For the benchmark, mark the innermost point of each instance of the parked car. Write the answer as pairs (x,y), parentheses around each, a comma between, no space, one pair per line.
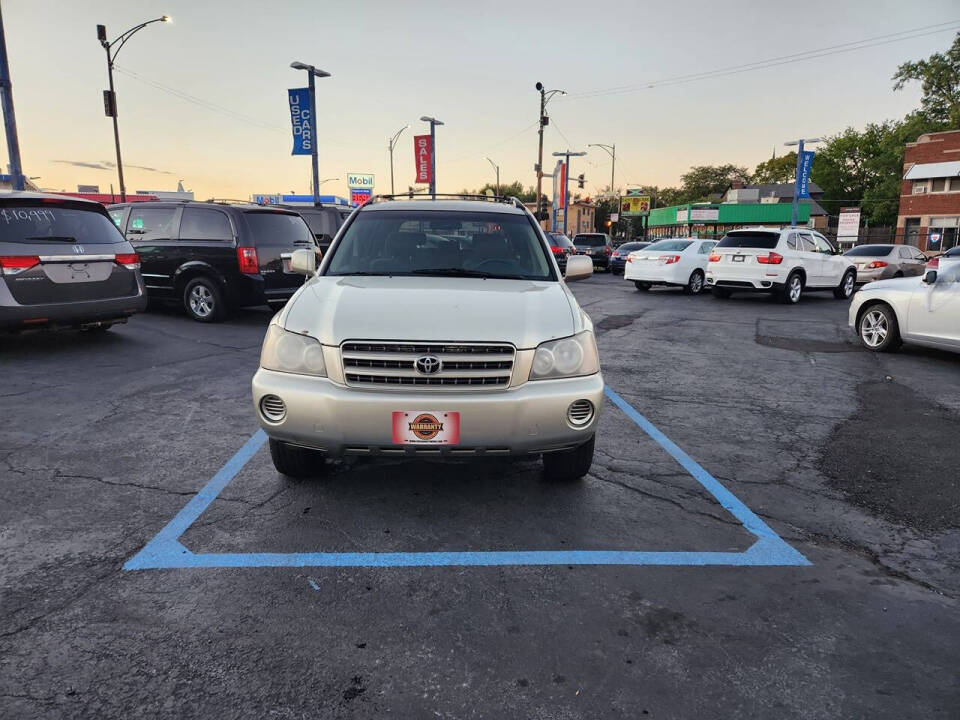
(945,260)
(433,327)
(561,247)
(619,257)
(597,246)
(681,262)
(323,220)
(64,264)
(924,311)
(785,262)
(212,257)
(879,262)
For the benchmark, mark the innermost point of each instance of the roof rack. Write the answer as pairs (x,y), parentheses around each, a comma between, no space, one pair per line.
(505,199)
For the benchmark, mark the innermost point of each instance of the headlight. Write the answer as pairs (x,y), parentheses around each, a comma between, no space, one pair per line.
(292,353)
(570,357)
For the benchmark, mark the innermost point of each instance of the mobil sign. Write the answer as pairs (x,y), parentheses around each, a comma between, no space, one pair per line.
(360,181)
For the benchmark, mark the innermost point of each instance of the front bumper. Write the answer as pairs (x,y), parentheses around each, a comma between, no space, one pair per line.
(339,420)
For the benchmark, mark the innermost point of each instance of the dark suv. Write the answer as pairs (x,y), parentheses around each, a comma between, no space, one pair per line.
(212,257)
(324,220)
(63,264)
(597,246)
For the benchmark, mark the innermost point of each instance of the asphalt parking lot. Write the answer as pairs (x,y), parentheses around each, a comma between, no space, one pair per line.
(772,419)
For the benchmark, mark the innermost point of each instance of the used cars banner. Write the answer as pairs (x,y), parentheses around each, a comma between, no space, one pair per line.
(301,121)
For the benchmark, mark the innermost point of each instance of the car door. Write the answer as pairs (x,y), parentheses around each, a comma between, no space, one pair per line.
(832,266)
(811,259)
(934,312)
(207,237)
(152,231)
(703,254)
(911,261)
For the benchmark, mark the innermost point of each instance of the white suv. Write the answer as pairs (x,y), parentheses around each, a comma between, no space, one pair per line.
(784,261)
(432,328)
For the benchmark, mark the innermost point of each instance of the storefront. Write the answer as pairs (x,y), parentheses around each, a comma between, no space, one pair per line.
(713,220)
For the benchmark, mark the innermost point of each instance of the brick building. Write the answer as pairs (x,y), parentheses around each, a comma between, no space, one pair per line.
(929,215)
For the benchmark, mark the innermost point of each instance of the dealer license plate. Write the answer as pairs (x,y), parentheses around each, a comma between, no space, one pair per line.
(426,427)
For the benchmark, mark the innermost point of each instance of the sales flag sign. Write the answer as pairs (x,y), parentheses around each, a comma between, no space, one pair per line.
(422,150)
(302,121)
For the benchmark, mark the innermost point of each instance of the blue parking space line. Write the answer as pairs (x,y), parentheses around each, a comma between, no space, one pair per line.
(165,551)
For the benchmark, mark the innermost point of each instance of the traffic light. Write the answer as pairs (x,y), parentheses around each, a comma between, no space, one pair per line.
(609,223)
(581,180)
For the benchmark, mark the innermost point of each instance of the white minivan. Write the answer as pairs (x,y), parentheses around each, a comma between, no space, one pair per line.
(785,261)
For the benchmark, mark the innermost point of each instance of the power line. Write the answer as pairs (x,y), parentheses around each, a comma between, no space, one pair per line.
(772,62)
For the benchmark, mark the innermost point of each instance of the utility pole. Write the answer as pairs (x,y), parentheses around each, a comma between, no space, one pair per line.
(497,168)
(545,96)
(390,145)
(433,153)
(110,97)
(9,117)
(566,185)
(796,178)
(312,74)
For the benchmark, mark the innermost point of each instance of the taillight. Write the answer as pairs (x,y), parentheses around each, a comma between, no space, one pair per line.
(770,259)
(629,258)
(876,264)
(557,250)
(933,263)
(131,261)
(247,259)
(607,250)
(715,257)
(669,259)
(13,264)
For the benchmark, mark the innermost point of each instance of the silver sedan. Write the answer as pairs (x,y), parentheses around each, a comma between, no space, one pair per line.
(880,262)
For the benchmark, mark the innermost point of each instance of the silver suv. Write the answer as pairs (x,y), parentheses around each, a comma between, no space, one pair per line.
(432,327)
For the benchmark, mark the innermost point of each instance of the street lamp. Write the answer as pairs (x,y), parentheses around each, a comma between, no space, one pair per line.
(545,96)
(312,73)
(390,146)
(566,182)
(497,168)
(109,96)
(796,179)
(433,153)
(326,181)
(611,150)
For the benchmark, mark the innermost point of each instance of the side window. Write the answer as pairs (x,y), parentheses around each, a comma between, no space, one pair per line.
(203,224)
(117,217)
(705,248)
(822,245)
(806,243)
(151,223)
(906,254)
(792,241)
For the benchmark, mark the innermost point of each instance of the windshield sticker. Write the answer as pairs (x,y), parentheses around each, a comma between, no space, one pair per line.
(15,215)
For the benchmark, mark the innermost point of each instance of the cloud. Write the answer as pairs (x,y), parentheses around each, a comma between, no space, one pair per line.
(150,169)
(107,165)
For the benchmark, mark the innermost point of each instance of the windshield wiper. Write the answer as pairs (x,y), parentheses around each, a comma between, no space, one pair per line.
(53,238)
(361,272)
(463,272)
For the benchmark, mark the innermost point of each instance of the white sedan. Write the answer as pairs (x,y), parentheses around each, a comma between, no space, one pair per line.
(680,261)
(925,311)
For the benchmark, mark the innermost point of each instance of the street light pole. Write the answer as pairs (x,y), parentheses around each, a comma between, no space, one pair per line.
(110,97)
(9,117)
(497,168)
(545,96)
(566,184)
(433,153)
(312,74)
(611,150)
(796,178)
(390,146)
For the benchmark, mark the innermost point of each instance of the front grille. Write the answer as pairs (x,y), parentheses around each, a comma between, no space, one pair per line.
(479,366)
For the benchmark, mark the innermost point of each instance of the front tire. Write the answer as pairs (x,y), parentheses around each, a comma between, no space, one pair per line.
(695,283)
(569,465)
(878,329)
(297,462)
(203,300)
(792,289)
(845,289)
(641,286)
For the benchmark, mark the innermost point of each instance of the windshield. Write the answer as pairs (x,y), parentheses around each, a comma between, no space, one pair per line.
(37,224)
(441,243)
(323,223)
(275,228)
(675,245)
(590,240)
(762,240)
(870,251)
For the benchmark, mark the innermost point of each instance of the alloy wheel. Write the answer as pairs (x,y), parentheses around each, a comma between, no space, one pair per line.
(795,289)
(873,328)
(848,283)
(201,301)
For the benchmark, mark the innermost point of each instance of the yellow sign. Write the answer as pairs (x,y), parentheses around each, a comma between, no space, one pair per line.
(633,206)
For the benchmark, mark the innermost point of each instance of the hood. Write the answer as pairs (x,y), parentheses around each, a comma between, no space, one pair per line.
(902,283)
(525,313)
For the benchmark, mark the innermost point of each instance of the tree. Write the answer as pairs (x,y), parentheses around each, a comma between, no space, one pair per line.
(776,169)
(702,181)
(512,189)
(939,76)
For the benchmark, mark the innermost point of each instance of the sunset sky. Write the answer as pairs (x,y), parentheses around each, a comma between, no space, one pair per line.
(227,132)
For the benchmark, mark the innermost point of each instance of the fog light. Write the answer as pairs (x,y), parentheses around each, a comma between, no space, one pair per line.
(272,408)
(580,413)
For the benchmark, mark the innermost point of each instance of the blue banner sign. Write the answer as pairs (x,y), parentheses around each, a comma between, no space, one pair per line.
(301,120)
(803,174)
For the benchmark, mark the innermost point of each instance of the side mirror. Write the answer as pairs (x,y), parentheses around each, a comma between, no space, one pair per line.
(578,268)
(930,277)
(303,262)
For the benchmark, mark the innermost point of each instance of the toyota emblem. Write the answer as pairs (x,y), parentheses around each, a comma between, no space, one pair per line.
(427,364)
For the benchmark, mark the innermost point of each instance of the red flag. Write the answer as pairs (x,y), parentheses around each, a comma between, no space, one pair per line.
(422,145)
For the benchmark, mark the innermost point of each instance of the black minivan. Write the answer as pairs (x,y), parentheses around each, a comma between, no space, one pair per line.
(63,264)
(212,257)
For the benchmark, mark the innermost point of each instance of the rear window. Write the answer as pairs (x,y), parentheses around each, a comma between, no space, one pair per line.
(631,246)
(590,240)
(274,228)
(952,252)
(761,240)
(559,240)
(870,251)
(663,245)
(38,224)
